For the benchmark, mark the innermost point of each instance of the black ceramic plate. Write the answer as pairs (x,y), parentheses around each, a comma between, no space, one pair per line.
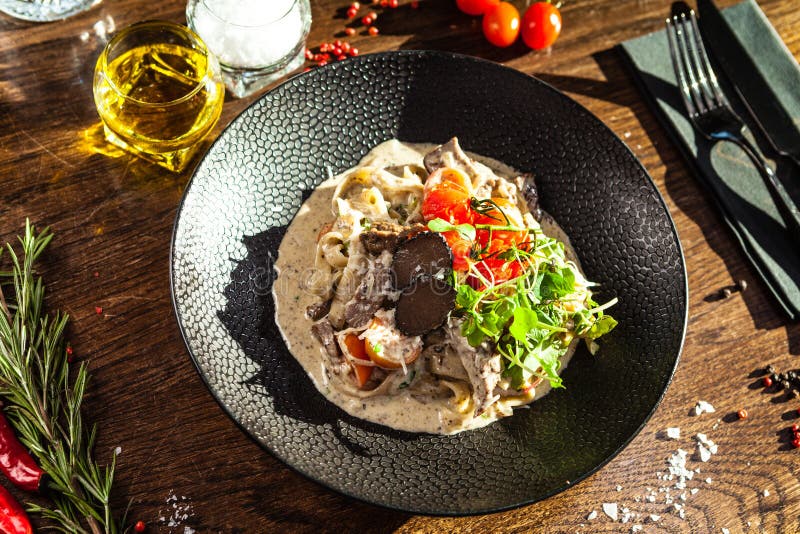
(255,176)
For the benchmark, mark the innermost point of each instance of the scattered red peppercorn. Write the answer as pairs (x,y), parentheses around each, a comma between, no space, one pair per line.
(306,69)
(354,52)
(341,57)
(139,526)
(796,443)
(351,13)
(742,414)
(384,3)
(373,31)
(350,31)
(394,4)
(98,310)
(795,428)
(96,274)
(366,20)
(346,48)
(309,54)
(373,15)
(322,63)
(767,381)
(355,5)
(69,351)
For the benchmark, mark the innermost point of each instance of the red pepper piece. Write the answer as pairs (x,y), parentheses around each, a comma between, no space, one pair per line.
(15,461)
(13,519)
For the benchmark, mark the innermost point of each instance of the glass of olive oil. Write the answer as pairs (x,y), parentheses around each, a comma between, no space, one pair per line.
(158,91)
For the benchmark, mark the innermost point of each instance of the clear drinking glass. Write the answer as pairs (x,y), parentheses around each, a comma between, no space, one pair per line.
(44,10)
(256,41)
(158,91)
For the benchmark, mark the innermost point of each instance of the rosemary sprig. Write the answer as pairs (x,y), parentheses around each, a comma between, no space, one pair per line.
(43,404)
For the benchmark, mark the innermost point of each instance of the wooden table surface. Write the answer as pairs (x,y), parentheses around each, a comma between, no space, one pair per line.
(181,455)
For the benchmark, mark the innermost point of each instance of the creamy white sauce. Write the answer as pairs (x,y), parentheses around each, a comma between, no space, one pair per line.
(295,264)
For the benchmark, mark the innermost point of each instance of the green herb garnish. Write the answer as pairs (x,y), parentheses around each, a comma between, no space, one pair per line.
(532,318)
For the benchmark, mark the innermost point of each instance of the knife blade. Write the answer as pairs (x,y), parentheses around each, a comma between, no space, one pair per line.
(755,91)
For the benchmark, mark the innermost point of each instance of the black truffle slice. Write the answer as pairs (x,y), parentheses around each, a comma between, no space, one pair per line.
(426,255)
(424,306)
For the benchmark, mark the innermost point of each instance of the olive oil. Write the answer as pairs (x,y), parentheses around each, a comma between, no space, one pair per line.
(159,100)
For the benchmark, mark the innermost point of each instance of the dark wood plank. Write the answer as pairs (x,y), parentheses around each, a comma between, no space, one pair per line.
(114,215)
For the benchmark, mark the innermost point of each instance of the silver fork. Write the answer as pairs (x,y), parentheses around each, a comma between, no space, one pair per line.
(709,109)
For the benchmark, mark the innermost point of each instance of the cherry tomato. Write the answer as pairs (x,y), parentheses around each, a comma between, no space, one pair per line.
(476,7)
(501,24)
(541,25)
(357,349)
(446,196)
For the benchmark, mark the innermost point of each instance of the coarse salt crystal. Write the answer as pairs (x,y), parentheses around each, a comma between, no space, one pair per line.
(726,531)
(673,433)
(651,498)
(766,493)
(592,515)
(708,480)
(705,454)
(636,528)
(694,490)
(610,509)
(655,518)
(702,438)
(703,407)
(619,488)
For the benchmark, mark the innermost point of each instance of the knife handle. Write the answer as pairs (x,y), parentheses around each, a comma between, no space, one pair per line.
(786,206)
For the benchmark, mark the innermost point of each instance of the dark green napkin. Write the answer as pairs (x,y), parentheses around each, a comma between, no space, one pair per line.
(723,168)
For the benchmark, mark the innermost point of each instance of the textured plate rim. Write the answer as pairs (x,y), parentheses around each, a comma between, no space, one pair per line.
(311,476)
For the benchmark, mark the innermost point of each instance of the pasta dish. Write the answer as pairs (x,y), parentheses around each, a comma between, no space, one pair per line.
(425,290)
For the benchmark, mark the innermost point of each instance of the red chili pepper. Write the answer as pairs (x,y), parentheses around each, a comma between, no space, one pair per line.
(13,519)
(15,461)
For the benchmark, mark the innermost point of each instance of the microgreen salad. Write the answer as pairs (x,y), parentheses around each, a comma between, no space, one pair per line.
(515,287)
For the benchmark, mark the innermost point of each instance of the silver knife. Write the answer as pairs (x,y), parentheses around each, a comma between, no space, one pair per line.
(755,91)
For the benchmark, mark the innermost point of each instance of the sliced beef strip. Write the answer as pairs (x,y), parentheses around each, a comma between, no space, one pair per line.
(482,366)
(387,236)
(449,155)
(317,311)
(371,293)
(323,331)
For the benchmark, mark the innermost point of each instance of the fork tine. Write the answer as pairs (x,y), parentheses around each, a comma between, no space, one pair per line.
(694,44)
(705,64)
(677,64)
(697,83)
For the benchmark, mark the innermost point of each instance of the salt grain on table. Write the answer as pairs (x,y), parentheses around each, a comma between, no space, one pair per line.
(766,493)
(610,509)
(592,515)
(703,407)
(673,433)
